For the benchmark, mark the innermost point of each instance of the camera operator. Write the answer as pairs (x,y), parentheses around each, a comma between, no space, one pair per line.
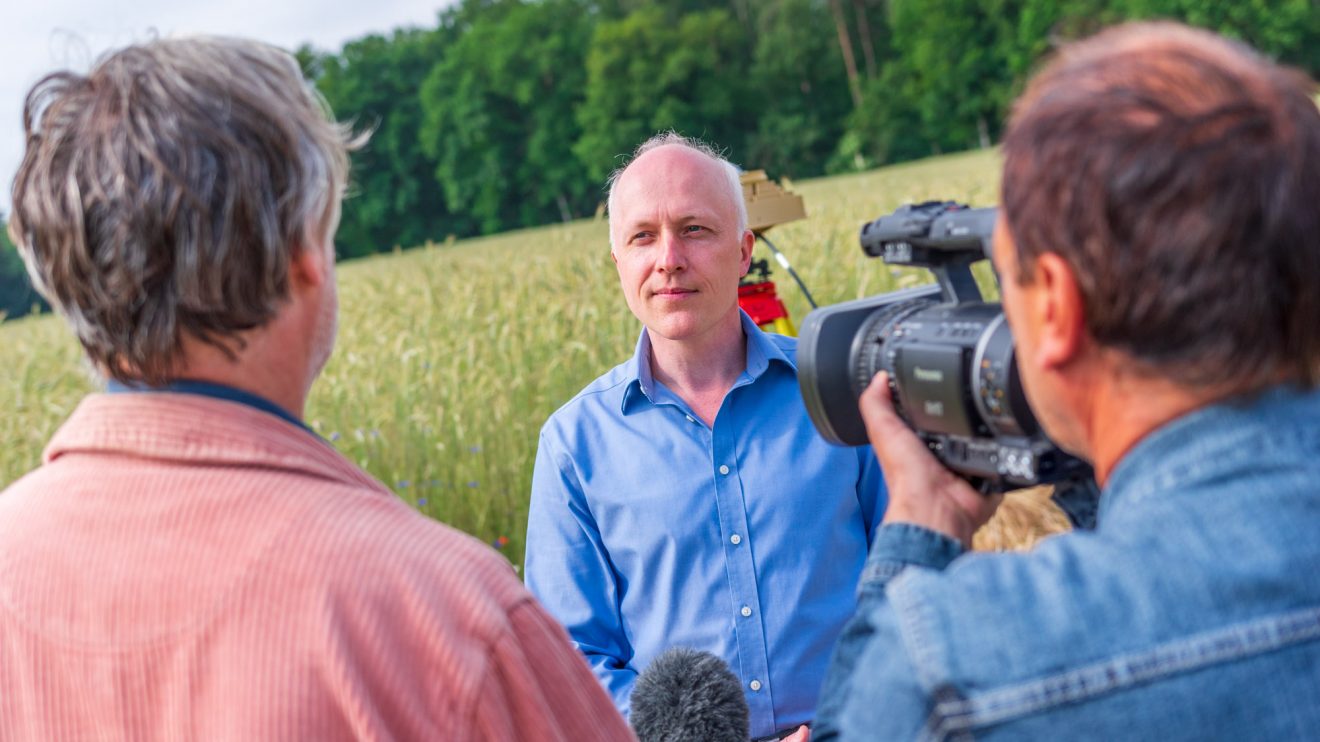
(1158,253)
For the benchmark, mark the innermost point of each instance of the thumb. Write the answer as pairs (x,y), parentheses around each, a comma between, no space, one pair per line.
(877,408)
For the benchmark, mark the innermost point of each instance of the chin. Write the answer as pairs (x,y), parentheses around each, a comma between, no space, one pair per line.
(1063,435)
(672,325)
(670,331)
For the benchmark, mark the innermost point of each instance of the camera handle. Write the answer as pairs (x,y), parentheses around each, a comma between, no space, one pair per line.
(955,279)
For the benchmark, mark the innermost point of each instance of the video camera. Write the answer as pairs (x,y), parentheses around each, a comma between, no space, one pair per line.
(952,369)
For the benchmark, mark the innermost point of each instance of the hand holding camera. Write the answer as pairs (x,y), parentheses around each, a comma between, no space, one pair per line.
(922,490)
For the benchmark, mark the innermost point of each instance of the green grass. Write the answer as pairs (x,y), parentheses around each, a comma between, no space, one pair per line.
(450,358)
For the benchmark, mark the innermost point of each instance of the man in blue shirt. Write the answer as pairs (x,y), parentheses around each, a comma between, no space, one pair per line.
(683,498)
(1159,252)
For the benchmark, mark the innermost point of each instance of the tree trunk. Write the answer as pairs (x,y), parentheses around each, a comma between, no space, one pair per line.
(845,46)
(983,131)
(864,32)
(740,9)
(564,212)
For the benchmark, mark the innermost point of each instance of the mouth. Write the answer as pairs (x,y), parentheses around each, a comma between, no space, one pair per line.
(673,291)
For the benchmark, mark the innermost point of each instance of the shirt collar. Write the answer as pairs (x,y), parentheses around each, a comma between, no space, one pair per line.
(201,430)
(215,391)
(641,386)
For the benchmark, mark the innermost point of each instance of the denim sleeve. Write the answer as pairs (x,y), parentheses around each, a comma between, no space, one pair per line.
(569,571)
(871,690)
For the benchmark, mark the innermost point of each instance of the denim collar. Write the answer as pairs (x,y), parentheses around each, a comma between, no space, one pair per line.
(641,385)
(1210,441)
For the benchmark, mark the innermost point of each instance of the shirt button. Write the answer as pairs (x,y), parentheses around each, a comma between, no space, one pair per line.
(735,539)
(724,469)
(690,418)
(754,685)
(746,611)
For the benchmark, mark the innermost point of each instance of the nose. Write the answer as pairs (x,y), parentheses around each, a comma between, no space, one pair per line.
(672,257)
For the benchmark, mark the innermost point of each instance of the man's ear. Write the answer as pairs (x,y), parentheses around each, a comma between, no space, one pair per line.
(1060,311)
(745,250)
(311,264)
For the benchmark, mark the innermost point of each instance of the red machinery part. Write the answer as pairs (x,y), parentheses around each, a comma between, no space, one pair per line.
(761,303)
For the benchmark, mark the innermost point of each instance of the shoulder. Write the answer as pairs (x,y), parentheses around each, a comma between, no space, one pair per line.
(374,552)
(414,607)
(601,399)
(992,619)
(786,344)
(779,349)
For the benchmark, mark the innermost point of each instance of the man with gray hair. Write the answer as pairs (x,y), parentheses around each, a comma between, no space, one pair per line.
(191,561)
(684,498)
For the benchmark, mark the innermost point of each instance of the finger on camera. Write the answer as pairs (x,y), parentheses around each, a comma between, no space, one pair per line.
(878,408)
(894,443)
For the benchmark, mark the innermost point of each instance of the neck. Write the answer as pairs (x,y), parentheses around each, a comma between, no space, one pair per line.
(266,366)
(701,370)
(1127,407)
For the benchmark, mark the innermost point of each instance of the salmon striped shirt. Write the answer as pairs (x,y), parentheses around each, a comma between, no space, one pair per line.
(184,567)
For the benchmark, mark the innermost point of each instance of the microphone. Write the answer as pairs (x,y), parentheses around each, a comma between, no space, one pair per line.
(686,694)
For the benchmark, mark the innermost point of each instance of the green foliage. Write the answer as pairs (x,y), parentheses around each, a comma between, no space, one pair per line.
(646,74)
(394,198)
(509,113)
(499,118)
(1279,28)
(952,69)
(17,297)
(799,91)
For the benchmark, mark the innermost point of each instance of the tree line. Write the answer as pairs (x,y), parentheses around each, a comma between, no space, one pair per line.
(511,113)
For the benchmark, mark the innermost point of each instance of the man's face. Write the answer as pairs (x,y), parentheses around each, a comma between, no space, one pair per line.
(1021,302)
(327,315)
(676,242)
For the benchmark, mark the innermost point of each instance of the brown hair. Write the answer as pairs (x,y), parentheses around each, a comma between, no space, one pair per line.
(1179,174)
(163,193)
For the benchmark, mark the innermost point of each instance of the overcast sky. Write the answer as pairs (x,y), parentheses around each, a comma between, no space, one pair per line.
(41,36)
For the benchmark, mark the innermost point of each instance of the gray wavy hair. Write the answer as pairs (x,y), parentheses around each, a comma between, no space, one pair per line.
(163,193)
(732,174)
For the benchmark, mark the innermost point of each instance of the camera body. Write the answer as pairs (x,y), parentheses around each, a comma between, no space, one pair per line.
(950,356)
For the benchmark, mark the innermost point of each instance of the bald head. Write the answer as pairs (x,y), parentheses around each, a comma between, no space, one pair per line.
(668,156)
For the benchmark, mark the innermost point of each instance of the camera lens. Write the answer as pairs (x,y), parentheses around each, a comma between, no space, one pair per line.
(874,342)
(952,367)
(997,387)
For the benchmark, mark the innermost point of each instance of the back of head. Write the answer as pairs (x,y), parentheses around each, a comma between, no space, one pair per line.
(162,194)
(1178,173)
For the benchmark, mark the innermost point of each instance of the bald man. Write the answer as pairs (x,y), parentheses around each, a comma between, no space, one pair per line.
(684,497)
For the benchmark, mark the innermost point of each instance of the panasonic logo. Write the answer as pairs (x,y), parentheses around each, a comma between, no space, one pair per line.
(927,374)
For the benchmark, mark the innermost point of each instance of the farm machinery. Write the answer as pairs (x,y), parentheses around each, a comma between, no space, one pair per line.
(768,205)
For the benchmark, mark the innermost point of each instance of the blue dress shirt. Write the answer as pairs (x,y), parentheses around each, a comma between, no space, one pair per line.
(649,529)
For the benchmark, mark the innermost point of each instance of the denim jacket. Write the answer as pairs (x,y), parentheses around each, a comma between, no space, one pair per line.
(1192,611)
